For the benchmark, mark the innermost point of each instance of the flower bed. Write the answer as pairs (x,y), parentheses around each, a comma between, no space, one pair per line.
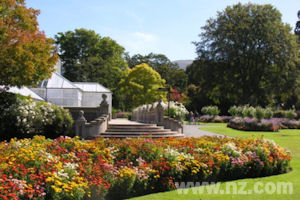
(214,119)
(67,168)
(253,124)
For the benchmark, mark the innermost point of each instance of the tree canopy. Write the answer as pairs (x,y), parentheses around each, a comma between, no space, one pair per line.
(168,70)
(246,55)
(86,56)
(26,55)
(140,86)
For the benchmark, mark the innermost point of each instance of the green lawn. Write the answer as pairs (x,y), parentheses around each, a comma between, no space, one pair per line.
(289,139)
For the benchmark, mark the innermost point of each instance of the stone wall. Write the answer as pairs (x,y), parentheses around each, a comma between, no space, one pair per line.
(90,121)
(90,113)
(154,114)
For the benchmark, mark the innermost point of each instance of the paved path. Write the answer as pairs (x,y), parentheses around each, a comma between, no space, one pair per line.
(194,131)
(122,121)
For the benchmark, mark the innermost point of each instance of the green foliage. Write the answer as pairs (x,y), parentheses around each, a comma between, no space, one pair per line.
(290,114)
(140,86)
(61,122)
(26,55)
(251,112)
(168,70)
(268,113)
(246,55)
(21,117)
(210,110)
(279,113)
(259,113)
(175,113)
(87,56)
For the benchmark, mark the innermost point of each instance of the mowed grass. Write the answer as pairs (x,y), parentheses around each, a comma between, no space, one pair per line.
(289,139)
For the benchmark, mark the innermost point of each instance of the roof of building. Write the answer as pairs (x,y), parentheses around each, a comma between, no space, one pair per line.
(57,81)
(91,87)
(25,91)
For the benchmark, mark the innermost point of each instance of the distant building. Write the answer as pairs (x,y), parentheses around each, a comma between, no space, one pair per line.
(60,91)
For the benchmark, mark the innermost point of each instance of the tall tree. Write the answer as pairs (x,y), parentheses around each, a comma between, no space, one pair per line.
(26,55)
(246,55)
(297,27)
(140,86)
(168,70)
(86,56)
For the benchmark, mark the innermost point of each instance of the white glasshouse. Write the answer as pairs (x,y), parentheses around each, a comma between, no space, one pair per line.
(60,91)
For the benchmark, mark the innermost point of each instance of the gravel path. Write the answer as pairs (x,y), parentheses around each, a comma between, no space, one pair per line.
(194,131)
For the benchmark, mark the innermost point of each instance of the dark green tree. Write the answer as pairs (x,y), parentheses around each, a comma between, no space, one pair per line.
(86,56)
(168,70)
(297,27)
(246,55)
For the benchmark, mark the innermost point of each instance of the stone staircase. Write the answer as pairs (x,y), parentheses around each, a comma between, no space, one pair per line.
(129,129)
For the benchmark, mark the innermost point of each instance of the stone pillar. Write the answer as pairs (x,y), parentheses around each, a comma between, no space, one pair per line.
(104,107)
(147,114)
(143,114)
(159,113)
(152,114)
(80,125)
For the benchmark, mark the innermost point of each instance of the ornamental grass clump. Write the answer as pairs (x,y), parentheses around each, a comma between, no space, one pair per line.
(74,169)
(210,110)
(250,118)
(251,112)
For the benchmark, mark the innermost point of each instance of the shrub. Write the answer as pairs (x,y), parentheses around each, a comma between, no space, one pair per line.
(249,111)
(210,110)
(290,114)
(268,113)
(279,114)
(259,113)
(253,124)
(175,113)
(55,120)
(177,110)
(233,111)
(214,119)
(122,115)
(22,117)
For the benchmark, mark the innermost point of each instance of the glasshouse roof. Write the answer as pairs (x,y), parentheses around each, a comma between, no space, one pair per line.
(25,92)
(57,81)
(91,87)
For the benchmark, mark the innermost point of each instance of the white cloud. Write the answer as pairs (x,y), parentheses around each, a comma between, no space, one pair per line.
(145,37)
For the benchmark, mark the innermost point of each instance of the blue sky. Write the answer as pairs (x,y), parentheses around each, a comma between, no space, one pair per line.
(144,26)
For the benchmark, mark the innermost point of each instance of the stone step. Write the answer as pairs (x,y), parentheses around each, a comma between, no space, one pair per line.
(177,135)
(140,133)
(117,126)
(137,125)
(136,130)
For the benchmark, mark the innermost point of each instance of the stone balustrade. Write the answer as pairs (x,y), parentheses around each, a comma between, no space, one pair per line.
(154,114)
(88,130)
